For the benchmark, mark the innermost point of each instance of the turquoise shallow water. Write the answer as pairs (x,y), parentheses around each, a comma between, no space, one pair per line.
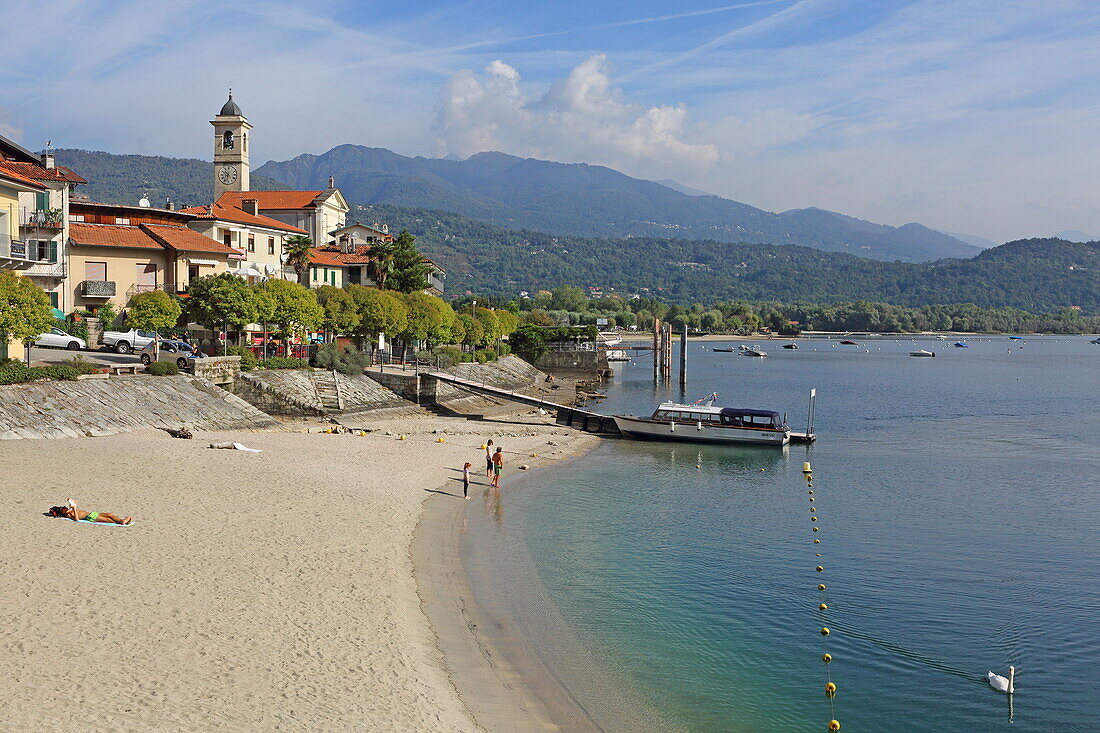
(672,587)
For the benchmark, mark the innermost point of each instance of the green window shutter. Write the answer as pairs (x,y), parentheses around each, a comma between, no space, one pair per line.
(52,251)
(314,274)
(42,200)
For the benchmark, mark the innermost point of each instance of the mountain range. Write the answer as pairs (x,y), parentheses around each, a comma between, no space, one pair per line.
(590,200)
(1036,275)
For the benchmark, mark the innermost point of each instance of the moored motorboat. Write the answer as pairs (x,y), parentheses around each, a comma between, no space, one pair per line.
(922,352)
(1095,341)
(849,342)
(724,351)
(752,351)
(790,346)
(962,345)
(707,424)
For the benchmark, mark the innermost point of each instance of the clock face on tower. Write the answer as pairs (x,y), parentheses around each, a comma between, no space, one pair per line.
(228,174)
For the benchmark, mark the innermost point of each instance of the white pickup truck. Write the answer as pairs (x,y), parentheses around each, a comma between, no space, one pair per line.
(127,342)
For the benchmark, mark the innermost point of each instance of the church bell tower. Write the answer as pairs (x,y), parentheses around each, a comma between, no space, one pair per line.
(230,149)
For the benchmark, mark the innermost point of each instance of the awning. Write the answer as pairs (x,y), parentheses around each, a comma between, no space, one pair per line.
(200,261)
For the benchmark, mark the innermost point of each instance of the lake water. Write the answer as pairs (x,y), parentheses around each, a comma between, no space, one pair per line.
(673,587)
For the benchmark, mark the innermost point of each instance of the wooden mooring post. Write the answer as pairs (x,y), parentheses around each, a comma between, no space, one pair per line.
(684,357)
(656,349)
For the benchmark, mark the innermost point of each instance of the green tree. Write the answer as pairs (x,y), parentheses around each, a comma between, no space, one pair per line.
(294,308)
(567,297)
(153,311)
(410,271)
(25,309)
(341,315)
(297,249)
(472,332)
(424,318)
(380,311)
(380,266)
(223,299)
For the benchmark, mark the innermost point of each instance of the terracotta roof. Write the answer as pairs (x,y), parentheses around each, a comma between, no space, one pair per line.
(238,215)
(360,256)
(324,258)
(111,235)
(21,180)
(272,200)
(40,173)
(183,239)
(84,206)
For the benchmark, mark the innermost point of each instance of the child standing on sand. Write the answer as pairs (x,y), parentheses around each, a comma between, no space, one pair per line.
(466,481)
(498,464)
(489,459)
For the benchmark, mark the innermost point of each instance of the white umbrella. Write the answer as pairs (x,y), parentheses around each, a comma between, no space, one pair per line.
(249,272)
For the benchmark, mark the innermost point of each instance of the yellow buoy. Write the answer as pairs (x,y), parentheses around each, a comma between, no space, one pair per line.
(817,541)
(483,446)
(820,569)
(813,519)
(401,437)
(825,631)
(834,726)
(821,587)
(830,687)
(806,467)
(534,455)
(817,554)
(811,498)
(810,491)
(440,440)
(822,607)
(815,529)
(761,469)
(812,509)
(826,657)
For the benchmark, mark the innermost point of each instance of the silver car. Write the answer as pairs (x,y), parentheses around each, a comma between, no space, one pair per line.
(177,352)
(58,339)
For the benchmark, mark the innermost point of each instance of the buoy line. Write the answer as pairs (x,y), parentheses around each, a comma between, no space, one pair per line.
(823,603)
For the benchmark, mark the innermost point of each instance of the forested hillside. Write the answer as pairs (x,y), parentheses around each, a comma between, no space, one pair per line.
(1037,275)
(594,201)
(123,179)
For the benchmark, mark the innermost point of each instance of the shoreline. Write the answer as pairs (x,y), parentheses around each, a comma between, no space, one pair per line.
(470,645)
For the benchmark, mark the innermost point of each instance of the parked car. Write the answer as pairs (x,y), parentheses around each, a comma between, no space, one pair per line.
(178,352)
(58,339)
(125,342)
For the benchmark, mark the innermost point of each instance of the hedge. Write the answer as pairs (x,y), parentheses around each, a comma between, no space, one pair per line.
(162,369)
(248,357)
(283,362)
(16,372)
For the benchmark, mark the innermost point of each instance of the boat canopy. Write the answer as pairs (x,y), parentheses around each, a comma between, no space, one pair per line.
(740,416)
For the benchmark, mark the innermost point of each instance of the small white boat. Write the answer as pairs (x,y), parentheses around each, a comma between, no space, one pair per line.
(922,352)
(707,424)
(752,351)
(617,355)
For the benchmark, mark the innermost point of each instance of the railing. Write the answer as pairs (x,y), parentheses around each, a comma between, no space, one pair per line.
(137,288)
(14,249)
(98,288)
(40,218)
(435,282)
(46,269)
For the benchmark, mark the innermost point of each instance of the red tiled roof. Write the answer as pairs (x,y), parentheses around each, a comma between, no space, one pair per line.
(324,258)
(360,256)
(183,239)
(40,173)
(111,235)
(21,180)
(272,200)
(240,216)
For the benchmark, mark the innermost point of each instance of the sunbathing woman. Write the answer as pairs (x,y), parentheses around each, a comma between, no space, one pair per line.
(71,512)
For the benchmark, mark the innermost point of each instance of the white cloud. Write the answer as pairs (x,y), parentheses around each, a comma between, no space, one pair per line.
(582,117)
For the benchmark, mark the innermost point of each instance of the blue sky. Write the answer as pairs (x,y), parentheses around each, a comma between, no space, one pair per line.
(971,116)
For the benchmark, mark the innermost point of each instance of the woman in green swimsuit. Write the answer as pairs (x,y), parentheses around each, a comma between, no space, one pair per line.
(71,512)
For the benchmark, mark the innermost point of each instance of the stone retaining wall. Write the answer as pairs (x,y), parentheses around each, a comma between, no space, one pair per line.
(293,392)
(221,370)
(120,404)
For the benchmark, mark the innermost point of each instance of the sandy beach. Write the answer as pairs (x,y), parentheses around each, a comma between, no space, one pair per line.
(254,591)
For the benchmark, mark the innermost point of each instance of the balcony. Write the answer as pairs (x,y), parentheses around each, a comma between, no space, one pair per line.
(41,218)
(98,288)
(46,269)
(13,253)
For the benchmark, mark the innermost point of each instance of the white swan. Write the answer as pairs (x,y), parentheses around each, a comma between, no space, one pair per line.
(1000,684)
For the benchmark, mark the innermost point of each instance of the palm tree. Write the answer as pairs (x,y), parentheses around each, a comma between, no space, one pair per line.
(380,266)
(297,248)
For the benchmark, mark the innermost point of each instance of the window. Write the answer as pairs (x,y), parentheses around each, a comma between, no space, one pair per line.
(53,299)
(227,238)
(314,274)
(271,245)
(192,273)
(42,200)
(227,140)
(146,277)
(95,270)
(76,217)
(42,250)
(251,242)
(122,220)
